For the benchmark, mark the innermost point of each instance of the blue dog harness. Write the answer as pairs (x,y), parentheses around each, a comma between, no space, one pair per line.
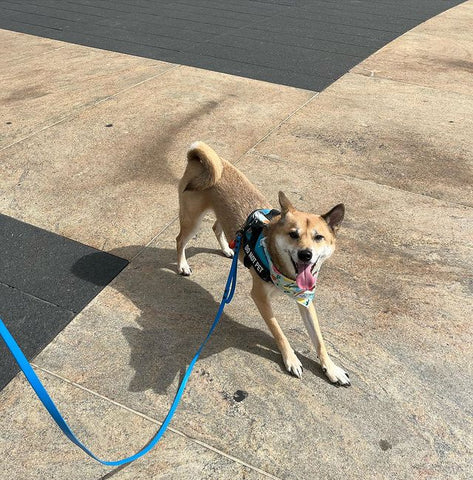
(252,236)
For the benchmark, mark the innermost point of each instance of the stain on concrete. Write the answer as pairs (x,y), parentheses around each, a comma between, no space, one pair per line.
(452,64)
(403,160)
(385,445)
(27,93)
(151,163)
(240,395)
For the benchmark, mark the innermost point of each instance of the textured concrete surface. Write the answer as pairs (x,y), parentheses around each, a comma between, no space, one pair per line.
(18,48)
(124,155)
(435,54)
(395,301)
(416,138)
(384,289)
(47,455)
(41,90)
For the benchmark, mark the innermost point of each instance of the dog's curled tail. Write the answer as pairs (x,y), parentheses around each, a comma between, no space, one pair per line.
(211,166)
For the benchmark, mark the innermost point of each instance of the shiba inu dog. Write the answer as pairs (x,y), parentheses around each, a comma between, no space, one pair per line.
(297,243)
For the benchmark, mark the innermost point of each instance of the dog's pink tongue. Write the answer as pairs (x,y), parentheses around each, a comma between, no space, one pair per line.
(305,280)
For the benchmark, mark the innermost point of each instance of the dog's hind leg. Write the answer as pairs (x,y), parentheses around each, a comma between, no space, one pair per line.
(192,207)
(261,293)
(335,374)
(222,240)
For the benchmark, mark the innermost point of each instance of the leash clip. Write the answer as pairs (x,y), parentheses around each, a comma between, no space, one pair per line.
(238,236)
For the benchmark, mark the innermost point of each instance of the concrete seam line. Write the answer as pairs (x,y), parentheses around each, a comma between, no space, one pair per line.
(397,189)
(154,421)
(39,299)
(346,176)
(373,74)
(271,130)
(155,237)
(85,107)
(39,54)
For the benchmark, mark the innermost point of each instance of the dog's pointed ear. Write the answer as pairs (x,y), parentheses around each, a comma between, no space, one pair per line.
(335,216)
(286,205)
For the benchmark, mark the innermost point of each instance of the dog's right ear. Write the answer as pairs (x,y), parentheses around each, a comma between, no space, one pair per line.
(286,205)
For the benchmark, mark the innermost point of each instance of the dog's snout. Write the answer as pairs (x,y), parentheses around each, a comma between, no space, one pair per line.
(304,255)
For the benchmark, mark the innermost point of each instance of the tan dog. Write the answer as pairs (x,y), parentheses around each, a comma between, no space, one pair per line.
(297,242)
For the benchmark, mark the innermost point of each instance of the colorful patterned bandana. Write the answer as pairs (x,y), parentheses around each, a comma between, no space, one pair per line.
(258,258)
(288,285)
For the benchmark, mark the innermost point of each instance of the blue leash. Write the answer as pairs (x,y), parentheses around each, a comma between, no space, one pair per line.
(54,412)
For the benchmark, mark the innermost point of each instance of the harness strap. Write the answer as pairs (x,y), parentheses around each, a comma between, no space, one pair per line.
(56,415)
(252,233)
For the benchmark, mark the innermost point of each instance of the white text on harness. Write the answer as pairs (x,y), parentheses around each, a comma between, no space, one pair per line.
(254,261)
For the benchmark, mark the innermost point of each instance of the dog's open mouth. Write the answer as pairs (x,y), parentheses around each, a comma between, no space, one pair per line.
(305,278)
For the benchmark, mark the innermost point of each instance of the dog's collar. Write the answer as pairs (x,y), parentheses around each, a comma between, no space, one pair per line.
(257,256)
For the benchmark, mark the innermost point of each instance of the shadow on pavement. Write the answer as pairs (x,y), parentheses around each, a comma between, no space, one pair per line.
(176,314)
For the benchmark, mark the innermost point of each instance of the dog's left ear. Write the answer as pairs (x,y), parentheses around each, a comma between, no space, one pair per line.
(286,205)
(335,216)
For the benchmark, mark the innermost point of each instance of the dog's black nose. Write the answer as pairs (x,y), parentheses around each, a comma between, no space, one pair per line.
(304,255)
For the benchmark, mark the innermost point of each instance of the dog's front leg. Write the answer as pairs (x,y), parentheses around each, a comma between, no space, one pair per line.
(261,293)
(335,374)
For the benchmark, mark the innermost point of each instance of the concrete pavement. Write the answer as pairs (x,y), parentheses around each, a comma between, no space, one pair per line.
(392,139)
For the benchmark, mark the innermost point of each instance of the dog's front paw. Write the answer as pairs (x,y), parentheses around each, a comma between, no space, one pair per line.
(336,375)
(184,269)
(293,364)
(228,252)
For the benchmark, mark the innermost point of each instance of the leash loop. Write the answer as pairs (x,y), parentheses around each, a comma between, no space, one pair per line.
(50,406)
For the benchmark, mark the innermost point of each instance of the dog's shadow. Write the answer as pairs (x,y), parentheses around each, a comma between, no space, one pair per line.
(175,316)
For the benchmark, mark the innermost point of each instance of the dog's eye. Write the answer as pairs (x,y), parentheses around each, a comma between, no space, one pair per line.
(318,238)
(294,234)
